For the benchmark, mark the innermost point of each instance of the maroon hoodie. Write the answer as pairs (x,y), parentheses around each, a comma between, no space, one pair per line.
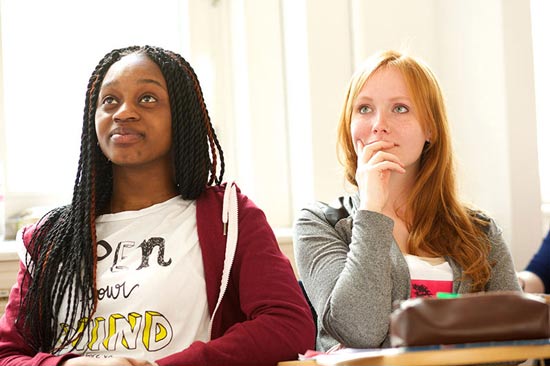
(262,319)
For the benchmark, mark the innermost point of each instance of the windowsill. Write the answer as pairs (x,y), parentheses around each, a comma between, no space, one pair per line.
(283,235)
(8,251)
(8,248)
(9,265)
(284,238)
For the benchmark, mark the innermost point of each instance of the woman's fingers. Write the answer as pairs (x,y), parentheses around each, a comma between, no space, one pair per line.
(366,152)
(111,361)
(382,156)
(375,164)
(139,362)
(381,170)
(373,155)
(386,165)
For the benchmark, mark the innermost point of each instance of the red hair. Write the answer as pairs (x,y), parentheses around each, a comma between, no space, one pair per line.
(437,221)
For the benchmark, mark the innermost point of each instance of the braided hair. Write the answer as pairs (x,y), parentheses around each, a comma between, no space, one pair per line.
(63,246)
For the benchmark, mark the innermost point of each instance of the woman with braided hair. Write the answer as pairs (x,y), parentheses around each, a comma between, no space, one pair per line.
(144,266)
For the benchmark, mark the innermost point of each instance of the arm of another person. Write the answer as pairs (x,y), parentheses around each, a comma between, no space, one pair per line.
(349,285)
(503,274)
(278,323)
(530,282)
(536,276)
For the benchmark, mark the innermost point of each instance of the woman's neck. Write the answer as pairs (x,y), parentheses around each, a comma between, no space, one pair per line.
(135,190)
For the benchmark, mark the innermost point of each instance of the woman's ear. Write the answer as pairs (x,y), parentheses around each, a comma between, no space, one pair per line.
(429,136)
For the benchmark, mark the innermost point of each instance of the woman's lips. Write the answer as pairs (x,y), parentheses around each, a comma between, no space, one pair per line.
(122,135)
(373,141)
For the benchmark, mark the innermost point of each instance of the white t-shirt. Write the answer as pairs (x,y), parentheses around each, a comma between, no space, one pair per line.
(429,275)
(151,286)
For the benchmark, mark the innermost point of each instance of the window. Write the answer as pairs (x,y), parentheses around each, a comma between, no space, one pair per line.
(47,61)
(540,9)
(273,72)
(48,58)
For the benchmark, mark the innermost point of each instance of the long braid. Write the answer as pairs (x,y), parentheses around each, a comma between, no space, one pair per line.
(217,179)
(189,112)
(63,247)
(212,138)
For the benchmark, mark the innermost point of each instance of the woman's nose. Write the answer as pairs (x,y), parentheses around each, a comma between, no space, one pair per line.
(380,124)
(126,112)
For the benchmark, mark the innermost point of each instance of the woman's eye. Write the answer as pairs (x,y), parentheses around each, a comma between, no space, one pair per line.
(401,109)
(365,109)
(148,99)
(109,100)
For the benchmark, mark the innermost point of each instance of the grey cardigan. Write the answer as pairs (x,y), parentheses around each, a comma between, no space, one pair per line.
(353,271)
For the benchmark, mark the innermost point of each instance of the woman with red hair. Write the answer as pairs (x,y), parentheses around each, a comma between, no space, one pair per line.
(404,233)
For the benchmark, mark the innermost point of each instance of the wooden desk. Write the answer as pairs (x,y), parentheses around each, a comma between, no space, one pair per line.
(470,355)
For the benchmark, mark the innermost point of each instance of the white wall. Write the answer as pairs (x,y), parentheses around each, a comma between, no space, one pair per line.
(486,67)
(481,52)
(274,74)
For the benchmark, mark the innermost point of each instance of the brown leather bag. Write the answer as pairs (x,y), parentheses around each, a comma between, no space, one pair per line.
(470,318)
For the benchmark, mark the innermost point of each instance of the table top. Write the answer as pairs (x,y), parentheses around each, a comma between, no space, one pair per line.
(471,354)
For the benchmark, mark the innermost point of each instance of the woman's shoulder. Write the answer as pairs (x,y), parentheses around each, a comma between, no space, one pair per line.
(490,227)
(482,220)
(479,214)
(211,202)
(48,219)
(340,208)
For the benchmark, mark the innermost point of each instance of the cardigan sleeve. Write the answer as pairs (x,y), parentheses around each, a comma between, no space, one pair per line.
(503,274)
(347,274)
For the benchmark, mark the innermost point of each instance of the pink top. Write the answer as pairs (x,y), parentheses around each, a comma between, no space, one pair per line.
(429,276)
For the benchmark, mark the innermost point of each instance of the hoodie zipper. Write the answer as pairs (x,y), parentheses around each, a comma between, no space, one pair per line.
(230,220)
